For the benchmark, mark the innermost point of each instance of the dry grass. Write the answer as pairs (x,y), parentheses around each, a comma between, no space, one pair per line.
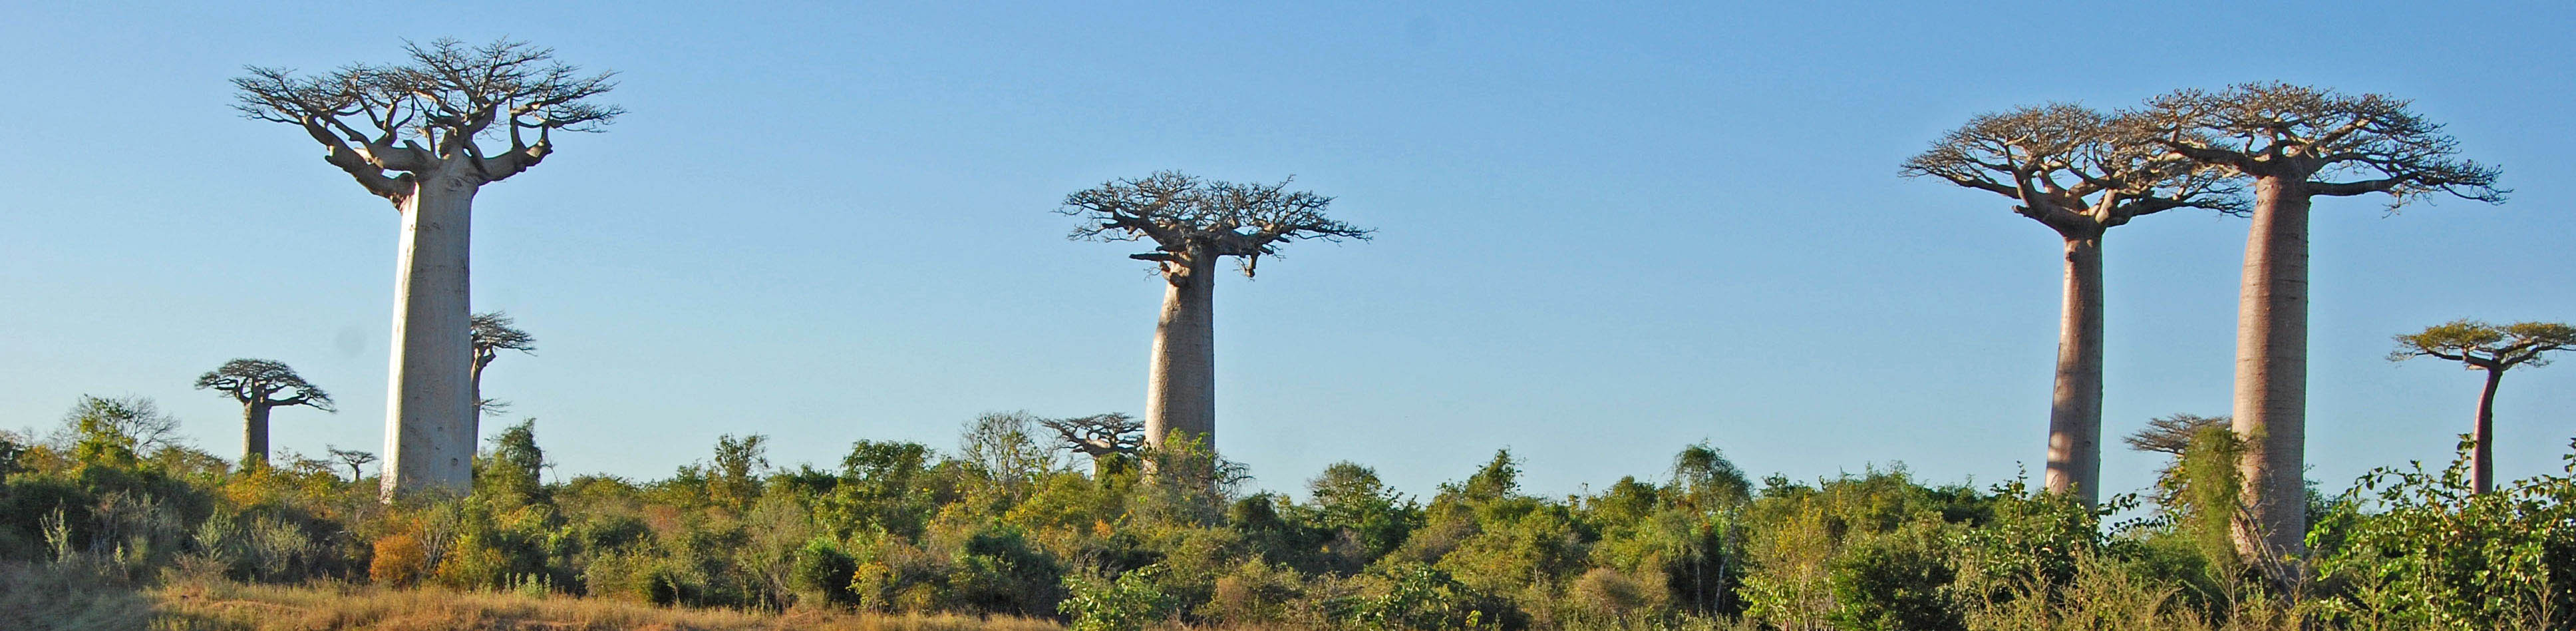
(228,606)
(79,597)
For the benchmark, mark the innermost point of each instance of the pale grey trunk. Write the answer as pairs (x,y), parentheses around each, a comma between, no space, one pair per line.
(2075,411)
(254,433)
(1180,386)
(429,411)
(2482,454)
(2272,370)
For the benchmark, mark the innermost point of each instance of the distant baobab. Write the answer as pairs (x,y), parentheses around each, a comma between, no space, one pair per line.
(1099,436)
(2063,166)
(411,132)
(1193,223)
(262,385)
(2296,143)
(494,332)
(2494,349)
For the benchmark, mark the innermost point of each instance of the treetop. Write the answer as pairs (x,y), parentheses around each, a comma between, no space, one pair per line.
(427,112)
(2337,144)
(2483,346)
(1187,217)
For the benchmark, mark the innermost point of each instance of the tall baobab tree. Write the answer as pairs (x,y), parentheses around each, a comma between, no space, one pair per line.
(2494,349)
(493,332)
(413,133)
(258,384)
(1193,223)
(2296,143)
(2063,166)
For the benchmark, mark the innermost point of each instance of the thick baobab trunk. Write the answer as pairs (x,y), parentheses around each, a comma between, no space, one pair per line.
(429,411)
(2075,414)
(2482,455)
(254,433)
(2272,370)
(1180,387)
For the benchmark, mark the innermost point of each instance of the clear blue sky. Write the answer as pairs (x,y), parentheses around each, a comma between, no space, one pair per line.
(1604,233)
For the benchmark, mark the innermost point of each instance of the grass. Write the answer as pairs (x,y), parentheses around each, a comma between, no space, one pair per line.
(73,598)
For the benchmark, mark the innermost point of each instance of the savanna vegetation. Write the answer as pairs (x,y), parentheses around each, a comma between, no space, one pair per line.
(1110,523)
(107,523)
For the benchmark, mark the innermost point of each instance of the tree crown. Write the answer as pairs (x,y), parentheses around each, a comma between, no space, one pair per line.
(427,112)
(2172,433)
(494,331)
(1193,221)
(258,381)
(2069,168)
(2482,346)
(2373,143)
(1099,435)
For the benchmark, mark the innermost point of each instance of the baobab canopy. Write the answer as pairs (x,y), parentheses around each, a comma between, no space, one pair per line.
(433,109)
(1193,223)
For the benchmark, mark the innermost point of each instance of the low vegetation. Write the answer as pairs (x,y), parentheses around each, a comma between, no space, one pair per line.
(99,531)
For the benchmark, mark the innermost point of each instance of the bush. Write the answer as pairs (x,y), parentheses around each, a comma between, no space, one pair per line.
(1419,597)
(1126,603)
(1897,582)
(823,574)
(2441,555)
(398,561)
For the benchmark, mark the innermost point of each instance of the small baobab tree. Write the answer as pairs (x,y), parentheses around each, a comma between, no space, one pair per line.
(2295,143)
(353,459)
(2494,349)
(2064,166)
(1194,223)
(262,385)
(1100,437)
(414,133)
(493,332)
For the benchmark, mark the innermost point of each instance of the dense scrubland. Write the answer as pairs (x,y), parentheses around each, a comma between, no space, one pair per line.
(109,523)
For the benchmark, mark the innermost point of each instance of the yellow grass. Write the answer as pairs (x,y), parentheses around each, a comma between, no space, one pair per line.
(228,606)
(76,597)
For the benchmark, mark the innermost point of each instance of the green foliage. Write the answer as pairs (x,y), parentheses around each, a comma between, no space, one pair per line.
(1898,581)
(1703,479)
(2206,493)
(510,471)
(900,527)
(823,573)
(1419,597)
(2440,555)
(1351,501)
(1126,603)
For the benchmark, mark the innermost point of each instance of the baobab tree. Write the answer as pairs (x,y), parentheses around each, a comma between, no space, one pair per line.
(1099,436)
(2296,143)
(353,459)
(2064,166)
(412,133)
(258,384)
(493,332)
(1194,223)
(2494,349)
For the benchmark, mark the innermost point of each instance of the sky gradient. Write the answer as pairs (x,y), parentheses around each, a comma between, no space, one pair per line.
(1603,234)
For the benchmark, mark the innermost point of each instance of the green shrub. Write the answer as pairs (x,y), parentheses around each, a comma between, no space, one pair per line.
(2439,555)
(1126,603)
(823,573)
(1900,581)
(1419,597)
